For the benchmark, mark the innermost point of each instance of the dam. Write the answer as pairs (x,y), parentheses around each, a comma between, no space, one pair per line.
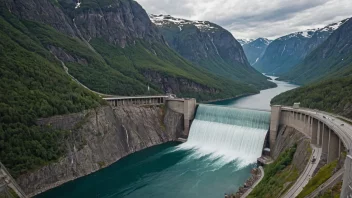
(223,146)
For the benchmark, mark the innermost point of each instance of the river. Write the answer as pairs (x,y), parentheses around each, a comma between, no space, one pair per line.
(172,170)
(259,101)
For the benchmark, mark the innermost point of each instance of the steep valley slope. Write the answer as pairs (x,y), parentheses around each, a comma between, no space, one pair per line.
(255,49)
(112,47)
(331,59)
(109,46)
(327,75)
(286,52)
(210,47)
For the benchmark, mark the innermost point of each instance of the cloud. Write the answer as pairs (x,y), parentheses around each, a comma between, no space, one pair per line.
(256,18)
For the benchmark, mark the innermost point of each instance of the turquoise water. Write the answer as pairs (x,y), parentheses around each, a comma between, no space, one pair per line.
(217,159)
(160,171)
(259,101)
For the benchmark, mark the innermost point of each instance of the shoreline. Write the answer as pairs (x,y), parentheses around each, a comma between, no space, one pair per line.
(257,174)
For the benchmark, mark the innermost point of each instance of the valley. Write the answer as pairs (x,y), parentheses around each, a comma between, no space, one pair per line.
(113,99)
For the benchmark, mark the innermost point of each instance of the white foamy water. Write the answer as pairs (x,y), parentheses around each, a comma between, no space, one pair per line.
(224,143)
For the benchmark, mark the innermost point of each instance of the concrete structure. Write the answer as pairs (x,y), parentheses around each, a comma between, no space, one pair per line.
(187,106)
(332,135)
(7,182)
(137,100)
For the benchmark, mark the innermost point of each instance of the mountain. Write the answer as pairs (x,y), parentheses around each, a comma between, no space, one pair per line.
(287,51)
(111,47)
(326,74)
(245,41)
(255,49)
(209,46)
(331,59)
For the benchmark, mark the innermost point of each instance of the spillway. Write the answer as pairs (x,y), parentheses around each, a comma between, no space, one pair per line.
(228,134)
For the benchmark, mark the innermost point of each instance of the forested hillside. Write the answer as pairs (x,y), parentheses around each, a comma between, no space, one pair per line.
(332,95)
(33,85)
(109,46)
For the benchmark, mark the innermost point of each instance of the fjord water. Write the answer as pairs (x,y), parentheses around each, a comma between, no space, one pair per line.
(217,158)
(259,101)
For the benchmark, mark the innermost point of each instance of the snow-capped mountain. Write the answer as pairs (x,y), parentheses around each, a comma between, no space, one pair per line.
(287,51)
(245,41)
(255,49)
(207,45)
(332,58)
(164,20)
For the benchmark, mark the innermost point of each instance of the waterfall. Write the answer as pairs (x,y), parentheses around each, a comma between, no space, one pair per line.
(228,134)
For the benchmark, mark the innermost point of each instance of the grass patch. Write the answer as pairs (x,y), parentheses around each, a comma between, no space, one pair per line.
(323,174)
(279,176)
(334,192)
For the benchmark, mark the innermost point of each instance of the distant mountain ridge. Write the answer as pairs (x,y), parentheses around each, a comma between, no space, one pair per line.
(255,49)
(333,58)
(287,51)
(245,41)
(209,46)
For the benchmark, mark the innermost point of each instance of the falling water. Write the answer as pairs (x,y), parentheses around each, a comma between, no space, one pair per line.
(228,134)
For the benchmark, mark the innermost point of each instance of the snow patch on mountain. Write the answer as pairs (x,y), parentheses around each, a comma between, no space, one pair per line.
(311,32)
(161,20)
(245,41)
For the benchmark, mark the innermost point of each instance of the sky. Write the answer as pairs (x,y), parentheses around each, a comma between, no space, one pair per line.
(247,19)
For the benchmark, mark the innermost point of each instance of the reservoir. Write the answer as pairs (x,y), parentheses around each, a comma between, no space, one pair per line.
(221,150)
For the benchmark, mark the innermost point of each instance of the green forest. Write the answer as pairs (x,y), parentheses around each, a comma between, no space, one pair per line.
(332,95)
(33,85)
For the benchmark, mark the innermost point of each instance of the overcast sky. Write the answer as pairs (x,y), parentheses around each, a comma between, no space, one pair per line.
(256,18)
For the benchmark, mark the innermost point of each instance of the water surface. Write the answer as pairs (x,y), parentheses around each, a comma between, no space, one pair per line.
(161,171)
(259,101)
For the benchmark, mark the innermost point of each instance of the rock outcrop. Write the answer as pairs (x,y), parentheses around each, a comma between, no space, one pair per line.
(100,137)
(287,138)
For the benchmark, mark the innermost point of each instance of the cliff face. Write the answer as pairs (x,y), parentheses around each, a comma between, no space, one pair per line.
(118,22)
(100,137)
(107,46)
(210,46)
(286,139)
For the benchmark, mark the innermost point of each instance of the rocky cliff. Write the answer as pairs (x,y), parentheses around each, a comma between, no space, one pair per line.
(210,46)
(287,138)
(108,45)
(100,137)
(287,51)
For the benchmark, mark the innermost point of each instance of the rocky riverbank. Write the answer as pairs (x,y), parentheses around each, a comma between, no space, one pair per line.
(255,176)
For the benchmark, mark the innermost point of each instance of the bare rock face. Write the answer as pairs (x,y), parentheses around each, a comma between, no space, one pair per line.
(118,22)
(99,138)
(286,139)
(41,11)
